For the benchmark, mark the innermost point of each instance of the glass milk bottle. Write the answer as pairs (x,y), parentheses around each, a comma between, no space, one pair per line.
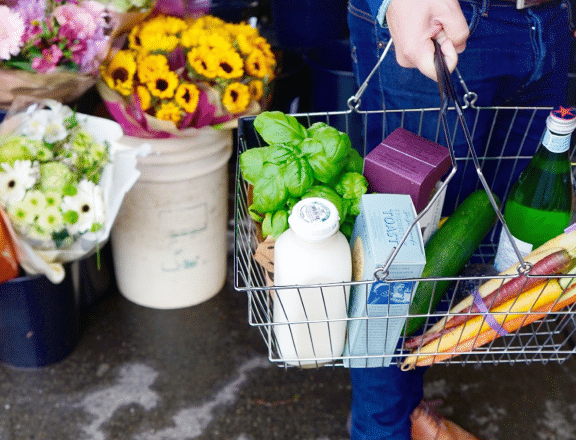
(311,251)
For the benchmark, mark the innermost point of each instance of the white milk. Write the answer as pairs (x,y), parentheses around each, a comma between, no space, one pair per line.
(312,251)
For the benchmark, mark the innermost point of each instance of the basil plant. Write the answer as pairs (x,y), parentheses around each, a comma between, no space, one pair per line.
(297,163)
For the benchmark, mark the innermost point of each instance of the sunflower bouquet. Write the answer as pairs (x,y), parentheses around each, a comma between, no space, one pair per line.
(60,182)
(176,74)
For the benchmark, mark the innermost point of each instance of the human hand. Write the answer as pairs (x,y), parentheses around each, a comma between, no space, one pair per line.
(414,24)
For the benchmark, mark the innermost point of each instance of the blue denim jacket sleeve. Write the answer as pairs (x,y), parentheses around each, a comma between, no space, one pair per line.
(378,9)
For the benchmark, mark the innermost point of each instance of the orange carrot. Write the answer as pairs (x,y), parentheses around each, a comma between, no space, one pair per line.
(552,264)
(510,326)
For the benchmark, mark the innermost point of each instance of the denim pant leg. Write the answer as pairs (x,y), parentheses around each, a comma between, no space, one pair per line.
(382,401)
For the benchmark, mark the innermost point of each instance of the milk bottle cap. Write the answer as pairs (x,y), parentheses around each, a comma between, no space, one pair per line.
(314,219)
(562,120)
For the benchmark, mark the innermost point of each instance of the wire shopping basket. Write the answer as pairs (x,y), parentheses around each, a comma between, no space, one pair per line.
(486,147)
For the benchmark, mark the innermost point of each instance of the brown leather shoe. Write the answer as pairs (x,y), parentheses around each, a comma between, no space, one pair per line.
(427,424)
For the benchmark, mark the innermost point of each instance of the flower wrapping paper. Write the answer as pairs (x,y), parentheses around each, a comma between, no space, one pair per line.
(61,85)
(136,123)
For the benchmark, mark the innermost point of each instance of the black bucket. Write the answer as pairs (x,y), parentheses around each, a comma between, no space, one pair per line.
(39,321)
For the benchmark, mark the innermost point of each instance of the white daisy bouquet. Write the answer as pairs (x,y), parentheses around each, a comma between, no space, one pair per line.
(61,182)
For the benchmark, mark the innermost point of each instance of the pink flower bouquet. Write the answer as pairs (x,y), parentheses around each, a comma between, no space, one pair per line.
(63,40)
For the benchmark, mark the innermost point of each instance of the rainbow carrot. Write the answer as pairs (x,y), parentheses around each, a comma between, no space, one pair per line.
(536,297)
(510,326)
(555,263)
(563,241)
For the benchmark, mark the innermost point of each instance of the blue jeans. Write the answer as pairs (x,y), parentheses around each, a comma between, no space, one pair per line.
(512,58)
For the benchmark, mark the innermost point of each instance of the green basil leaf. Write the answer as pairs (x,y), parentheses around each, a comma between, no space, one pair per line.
(276,127)
(251,162)
(351,187)
(298,176)
(354,162)
(347,227)
(314,127)
(275,223)
(326,151)
(269,190)
(279,154)
(257,216)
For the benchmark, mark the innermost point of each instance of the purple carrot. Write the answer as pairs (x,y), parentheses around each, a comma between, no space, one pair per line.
(553,264)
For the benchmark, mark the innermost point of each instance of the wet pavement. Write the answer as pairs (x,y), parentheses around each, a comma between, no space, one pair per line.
(203,373)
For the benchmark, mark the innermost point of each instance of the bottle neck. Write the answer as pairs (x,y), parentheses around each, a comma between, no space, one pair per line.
(554,142)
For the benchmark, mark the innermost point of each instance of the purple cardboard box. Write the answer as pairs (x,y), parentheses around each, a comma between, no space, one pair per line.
(405,163)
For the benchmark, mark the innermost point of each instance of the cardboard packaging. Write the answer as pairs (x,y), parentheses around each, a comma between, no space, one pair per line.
(379,309)
(405,163)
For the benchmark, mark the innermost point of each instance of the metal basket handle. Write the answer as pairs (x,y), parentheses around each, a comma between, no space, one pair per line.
(447,94)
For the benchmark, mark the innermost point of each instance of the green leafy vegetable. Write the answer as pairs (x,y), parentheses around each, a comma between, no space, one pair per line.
(351,186)
(269,191)
(298,176)
(354,162)
(300,162)
(326,151)
(251,163)
(275,223)
(278,128)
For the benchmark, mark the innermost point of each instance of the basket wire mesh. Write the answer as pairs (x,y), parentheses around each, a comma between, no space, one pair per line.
(496,161)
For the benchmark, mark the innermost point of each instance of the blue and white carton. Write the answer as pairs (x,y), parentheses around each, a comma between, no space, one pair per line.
(378,309)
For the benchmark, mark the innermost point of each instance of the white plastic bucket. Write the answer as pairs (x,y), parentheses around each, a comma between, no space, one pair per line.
(208,141)
(169,239)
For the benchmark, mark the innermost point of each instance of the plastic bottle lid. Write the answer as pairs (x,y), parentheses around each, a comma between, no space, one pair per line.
(314,219)
(562,120)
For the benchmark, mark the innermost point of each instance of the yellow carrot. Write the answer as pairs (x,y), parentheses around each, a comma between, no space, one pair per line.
(528,300)
(490,286)
(563,241)
(510,326)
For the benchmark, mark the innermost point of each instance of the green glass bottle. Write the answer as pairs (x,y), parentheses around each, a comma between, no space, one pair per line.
(541,202)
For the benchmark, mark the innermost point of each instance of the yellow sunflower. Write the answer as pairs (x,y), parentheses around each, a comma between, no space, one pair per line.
(230,65)
(191,36)
(187,96)
(209,22)
(144,97)
(149,66)
(257,64)
(203,61)
(256,88)
(174,25)
(134,38)
(236,97)
(119,73)
(244,44)
(163,84)
(168,111)
(152,41)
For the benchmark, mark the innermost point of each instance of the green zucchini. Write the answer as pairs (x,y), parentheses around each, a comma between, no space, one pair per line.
(448,251)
